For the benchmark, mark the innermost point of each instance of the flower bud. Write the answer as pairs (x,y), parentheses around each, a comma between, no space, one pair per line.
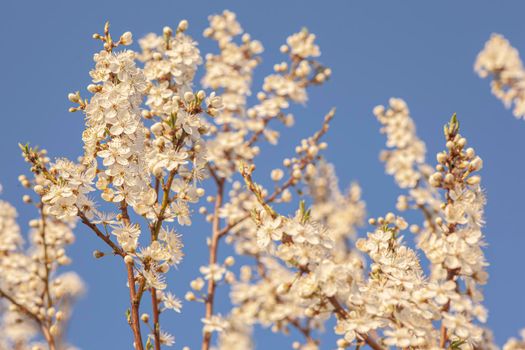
(476,164)
(188,96)
(197,284)
(402,203)
(229,277)
(183,26)
(97,254)
(54,330)
(261,96)
(286,196)
(401,223)
(157,129)
(229,261)
(167,31)
(164,268)
(474,180)
(73,97)
(309,312)
(435,179)
(126,39)
(449,178)
(51,311)
(128,259)
(190,296)
(441,157)
(60,316)
(277,174)
(342,343)
(310,170)
(313,150)
(414,228)
(93,88)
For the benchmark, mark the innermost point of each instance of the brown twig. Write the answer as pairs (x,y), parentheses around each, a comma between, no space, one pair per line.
(291,181)
(115,248)
(339,310)
(21,307)
(135,303)
(133,296)
(164,205)
(156,316)
(305,331)
(206,340)
(46,324)
(46,258)
(45,329)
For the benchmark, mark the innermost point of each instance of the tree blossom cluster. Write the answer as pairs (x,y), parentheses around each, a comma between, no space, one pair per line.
(502,62)
(152,140)
(37,295)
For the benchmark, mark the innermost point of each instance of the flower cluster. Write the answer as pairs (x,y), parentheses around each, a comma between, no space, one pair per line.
(36,299)
(451,236)
(151,169)
(455,249)
(502,61)
(396,298)
(406,151)
(152,138)
(232,69)
(515,344)
(231,72)
(341,213)
(405,160)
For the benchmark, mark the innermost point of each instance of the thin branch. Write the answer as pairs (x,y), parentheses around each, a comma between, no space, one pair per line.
(133,296)
(21,307)
(291,181)
(156,316)
(47,294)
(135,303)
(305,331)
(115,248)
(210,298)
(164,205)
(46,258)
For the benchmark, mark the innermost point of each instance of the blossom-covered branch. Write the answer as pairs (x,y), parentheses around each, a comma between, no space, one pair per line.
(502,62)
(151,140)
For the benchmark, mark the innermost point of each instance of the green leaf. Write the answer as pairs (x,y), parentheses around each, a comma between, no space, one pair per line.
(456,344)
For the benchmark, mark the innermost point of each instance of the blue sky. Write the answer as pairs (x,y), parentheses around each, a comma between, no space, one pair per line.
(420,51)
